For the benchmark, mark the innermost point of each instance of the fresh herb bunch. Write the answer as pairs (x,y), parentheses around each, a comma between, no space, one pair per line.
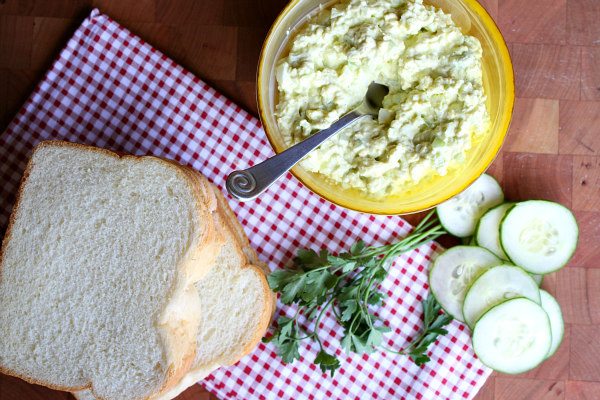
(348,284)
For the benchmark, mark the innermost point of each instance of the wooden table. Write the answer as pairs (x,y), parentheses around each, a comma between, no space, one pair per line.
(552,151)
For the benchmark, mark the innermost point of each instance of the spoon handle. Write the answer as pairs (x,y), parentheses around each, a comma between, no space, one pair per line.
(249,183)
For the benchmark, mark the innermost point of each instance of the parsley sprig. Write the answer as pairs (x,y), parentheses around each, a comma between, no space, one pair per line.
(348,285)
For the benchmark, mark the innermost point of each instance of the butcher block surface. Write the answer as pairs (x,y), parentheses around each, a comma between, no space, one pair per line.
(552,150)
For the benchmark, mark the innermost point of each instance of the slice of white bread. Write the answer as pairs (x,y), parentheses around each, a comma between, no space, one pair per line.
(236,305)
(97,272)
(247,312)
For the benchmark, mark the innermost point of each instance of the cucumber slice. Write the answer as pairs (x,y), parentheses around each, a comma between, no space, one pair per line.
(513,337)
(496,285)
(487,233)
(453,272)
(539,236)
(557,325)
(538,278)
(460,214)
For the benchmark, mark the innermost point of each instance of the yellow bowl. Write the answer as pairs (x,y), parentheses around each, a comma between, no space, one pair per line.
(498,83)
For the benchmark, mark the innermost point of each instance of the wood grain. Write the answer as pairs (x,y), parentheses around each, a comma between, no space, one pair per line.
(214,53)
(491,6)
(585,353)
(15,85)
(572,292)
(540,21)
(16,38)
(582,22)
(590,73)
(45,8)
(15,389)
(488,391)
(538,176)
(48,35)
(534,128)
(577,390)
(546,70)
(529,389)
(190,12)
(593,291)
(578,127)
(588,250)
(144,10)
(249,45)
(551,151)
(586,178)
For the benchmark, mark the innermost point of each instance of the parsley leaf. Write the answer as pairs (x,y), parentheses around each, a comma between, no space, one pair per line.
(327,362)
(288,350)
(347,284)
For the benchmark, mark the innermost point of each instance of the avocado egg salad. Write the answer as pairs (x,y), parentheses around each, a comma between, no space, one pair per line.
(434,111)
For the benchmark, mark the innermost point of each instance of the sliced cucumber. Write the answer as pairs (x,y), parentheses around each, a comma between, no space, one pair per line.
(557,325)
(513,337)
(538,278)
(454,271)
(460,214)
(487,233)
(539,235)
(496,285)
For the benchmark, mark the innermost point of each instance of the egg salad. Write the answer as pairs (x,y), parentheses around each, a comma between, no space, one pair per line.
(434,111)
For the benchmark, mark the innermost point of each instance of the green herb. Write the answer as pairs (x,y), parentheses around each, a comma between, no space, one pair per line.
(348,285)
(433,323)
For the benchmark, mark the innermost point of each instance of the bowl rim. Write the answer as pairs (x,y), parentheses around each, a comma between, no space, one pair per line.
(497,37)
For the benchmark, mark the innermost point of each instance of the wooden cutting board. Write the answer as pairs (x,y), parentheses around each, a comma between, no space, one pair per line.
(552,150)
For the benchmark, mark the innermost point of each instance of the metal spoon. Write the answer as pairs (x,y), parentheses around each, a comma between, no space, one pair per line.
(249,183)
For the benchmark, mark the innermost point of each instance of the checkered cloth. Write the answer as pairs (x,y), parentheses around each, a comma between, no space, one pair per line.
(110,89)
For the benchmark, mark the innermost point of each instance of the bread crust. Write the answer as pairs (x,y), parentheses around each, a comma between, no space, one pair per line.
(206,249)
(229,223)
(235,232)
(268,295)
(237,229)
(210,201)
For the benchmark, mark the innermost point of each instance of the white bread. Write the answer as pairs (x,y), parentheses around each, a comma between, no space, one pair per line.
(236,305)
(97,271)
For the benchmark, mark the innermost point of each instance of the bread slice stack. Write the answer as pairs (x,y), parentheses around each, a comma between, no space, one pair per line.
(124,277)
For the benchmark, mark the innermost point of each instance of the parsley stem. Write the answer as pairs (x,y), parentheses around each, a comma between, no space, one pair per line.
(336,313)
(398,352)
(316,329)
(425,220)
(351,330)
(314,333)
(348,284)
(411,345)
(416,236)
(399,248)
(390,252)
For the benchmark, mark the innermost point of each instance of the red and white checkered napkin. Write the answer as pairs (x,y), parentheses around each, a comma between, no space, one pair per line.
(110,89)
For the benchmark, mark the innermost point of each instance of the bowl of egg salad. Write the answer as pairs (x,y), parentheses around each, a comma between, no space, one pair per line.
(441,125)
